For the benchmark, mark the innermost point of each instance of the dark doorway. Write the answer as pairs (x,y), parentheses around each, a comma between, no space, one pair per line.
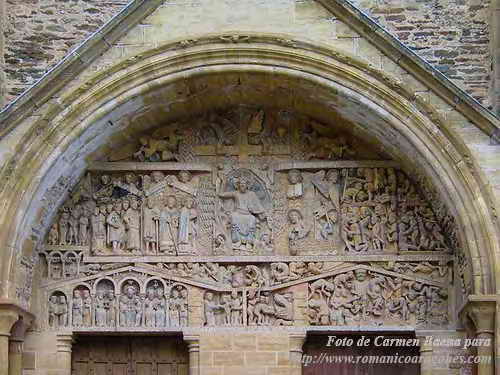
(127,355)
(368,354)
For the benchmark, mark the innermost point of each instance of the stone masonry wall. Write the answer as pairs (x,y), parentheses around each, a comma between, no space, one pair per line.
(39,33)
(452,35)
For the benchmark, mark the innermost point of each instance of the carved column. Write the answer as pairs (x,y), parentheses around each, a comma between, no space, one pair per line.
(64,346)
(482,314)
(297,340)
(7,319)
(193,342)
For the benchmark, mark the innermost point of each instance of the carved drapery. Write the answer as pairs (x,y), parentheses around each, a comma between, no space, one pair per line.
(225,219)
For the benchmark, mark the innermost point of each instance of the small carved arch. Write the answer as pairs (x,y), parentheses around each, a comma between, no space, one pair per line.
(81,311)
(58,309)
(104,283)
(128,280)
(151,280)
(55,265)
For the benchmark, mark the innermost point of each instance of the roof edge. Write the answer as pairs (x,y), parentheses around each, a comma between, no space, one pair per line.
(75,61)
(350,14)
(97,43)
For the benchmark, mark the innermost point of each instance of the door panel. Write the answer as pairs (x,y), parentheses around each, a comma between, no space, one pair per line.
(129,356)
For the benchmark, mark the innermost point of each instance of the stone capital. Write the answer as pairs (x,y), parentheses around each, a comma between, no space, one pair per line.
(193,342)
(297,340)
(65,342)
(8,318)
(481,314)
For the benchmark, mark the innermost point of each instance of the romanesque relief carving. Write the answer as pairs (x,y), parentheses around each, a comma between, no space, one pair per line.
(57,310)
(223,309)
(270,308)
(262,308)
(362,297)
(238,209)
(244,214)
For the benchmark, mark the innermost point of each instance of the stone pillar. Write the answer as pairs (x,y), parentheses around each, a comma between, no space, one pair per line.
(426,351)
(64,346)
(193,342)
(297,340)
(482,314)
(7,320)
(15,356)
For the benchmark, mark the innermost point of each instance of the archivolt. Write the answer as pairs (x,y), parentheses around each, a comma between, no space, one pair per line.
(69,128)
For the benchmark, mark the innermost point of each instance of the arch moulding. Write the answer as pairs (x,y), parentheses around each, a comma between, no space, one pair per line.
(51,148)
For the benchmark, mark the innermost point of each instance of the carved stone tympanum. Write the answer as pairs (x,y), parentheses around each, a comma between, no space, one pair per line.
(249,217)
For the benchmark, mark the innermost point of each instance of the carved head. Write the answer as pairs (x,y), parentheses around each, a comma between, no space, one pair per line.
(332,175)
(157,176)
(242,185)
(360,274)
(126,204)
(209,296)
(118,206)
(150,203)
(294,176)
(234,294)
(130,291)
(86,293)
(171,201)
(109,208)
(188,202)
(105,179)
(281,131)
(184,176)
(53,299)
(134,204)
(62,299)
(129,178)
(151,294)
(294,216)
(175,293)
(159,292)
(76,294)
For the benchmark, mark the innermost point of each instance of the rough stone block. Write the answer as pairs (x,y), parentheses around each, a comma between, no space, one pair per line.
(216,342)
(246,342)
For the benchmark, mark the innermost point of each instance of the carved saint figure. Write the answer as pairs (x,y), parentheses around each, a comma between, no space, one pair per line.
(101,307)
(115,226)
(86,308)
(63,228)
(53,310)
(248,209)
(160,308)
(211,308)
(131,218)
(295,187)
(150,222)
(130,307)
(53,235)
(150,308)
(297,230)
(98,225)
(77,309)
(83,229)
(187,226)
(168,223)
(184,182)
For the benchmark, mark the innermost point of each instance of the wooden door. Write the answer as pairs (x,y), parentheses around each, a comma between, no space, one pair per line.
(129,356)
(354,359)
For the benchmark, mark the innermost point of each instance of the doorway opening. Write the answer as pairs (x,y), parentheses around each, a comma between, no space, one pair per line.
(130,355)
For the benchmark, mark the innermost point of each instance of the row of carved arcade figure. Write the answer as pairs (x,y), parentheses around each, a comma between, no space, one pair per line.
(129,220)
(262,308)
(131,309)
(61,265)
(361,296)
(375,209)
